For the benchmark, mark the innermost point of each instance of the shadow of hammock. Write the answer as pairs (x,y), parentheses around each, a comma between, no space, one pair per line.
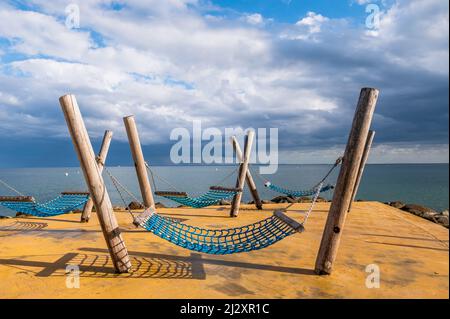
(199,259)
(96,263)
(19,226)
(53,219)
(100,266)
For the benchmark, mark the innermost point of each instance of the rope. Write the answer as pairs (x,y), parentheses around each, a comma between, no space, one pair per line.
(228,176)
(118,185)
(314,200)
(159,177)
(338,162)
(11,188)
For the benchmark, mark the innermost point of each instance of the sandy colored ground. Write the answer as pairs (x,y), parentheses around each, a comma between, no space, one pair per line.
(412,254)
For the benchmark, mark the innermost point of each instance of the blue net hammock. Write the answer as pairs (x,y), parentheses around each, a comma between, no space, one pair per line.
(62,204)
(297,193)
(212,197)
(224,241)
(307,192)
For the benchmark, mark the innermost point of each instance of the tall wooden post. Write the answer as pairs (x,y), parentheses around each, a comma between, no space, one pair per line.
(95,183)
(242,174)
(347,176)
(139,162)
(362,166)
(250,182)
(101,159)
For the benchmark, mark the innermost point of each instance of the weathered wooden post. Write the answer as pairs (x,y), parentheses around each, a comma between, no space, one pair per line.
(101,159)
(242,174)
(139,162)
(347,176)
(249,178)
(95,183)
(362,166)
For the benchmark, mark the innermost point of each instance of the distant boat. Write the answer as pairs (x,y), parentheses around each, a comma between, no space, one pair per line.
(67,174)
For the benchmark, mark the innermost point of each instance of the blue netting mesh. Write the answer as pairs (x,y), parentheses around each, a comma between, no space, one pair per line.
(58,206)
(219,242)
(210,198)
(299,193)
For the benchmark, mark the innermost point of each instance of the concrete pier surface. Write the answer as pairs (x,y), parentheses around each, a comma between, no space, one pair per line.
(411,254)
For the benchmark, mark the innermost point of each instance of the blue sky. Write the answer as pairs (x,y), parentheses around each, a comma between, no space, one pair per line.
(294,65)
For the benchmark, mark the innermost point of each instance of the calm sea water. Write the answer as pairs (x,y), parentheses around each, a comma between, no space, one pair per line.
(426,184)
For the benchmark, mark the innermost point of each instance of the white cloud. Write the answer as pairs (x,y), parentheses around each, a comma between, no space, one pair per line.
(168,64)
(313,21)
(255,19)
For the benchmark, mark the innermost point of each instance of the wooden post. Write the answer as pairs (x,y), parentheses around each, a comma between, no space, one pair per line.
(139,162)
(95,183)
(347,176)
(362,166)
(242,174)
(101,158)
(250,182)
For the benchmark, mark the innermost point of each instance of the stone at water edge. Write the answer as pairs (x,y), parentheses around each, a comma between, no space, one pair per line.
(304,199)
(420,210)
(282,199)
(135,205)
(443,220)
(397,204)
(160,205)
(224,202)
(445,213)
(19,214)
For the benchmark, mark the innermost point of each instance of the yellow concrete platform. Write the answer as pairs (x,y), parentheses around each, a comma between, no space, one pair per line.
(411,253)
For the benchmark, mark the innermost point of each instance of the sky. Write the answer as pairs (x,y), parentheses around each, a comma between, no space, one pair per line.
(295,65)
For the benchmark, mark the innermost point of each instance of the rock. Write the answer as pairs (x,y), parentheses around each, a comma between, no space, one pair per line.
(419,210)
(19,214)
(291,200)
(321,200)
(5,217)
(224,202)
(119,208)
(265,201)
(304,199)
(397,204)
(160,205)
(428,213)
(135,205)
(283,200)
(442,219)
(279,199)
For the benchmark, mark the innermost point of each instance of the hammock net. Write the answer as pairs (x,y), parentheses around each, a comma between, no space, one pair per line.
(62,204)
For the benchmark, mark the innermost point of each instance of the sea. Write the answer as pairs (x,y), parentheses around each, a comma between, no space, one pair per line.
(424,184)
